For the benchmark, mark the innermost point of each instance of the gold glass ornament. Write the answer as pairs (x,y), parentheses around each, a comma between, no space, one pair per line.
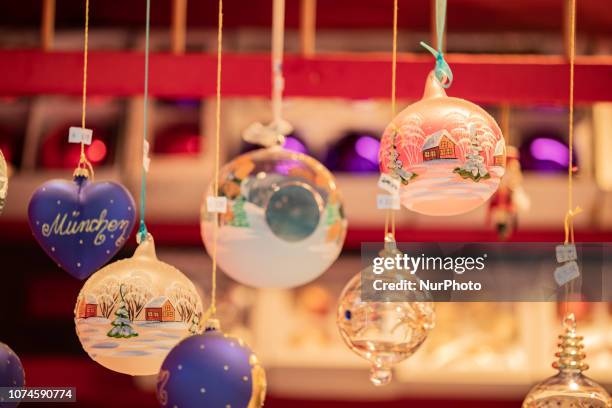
(569,388)
(131,313)
(386,332)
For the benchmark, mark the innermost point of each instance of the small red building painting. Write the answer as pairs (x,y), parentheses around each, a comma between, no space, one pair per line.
(160,309)
(88,307)
(439,145)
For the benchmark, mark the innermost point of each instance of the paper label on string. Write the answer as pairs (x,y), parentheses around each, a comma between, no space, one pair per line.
(79,135)
(216,204)
(146,161)
(389,183)
(566,273)
(566,252)
(388,202)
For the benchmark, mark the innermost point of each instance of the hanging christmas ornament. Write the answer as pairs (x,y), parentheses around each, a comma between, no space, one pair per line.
(384,333)
(509,199)
(569,388)
(278,202)
(3,181)
(11,372)
(448,152)
(211,370)
(81,224)
(132,312)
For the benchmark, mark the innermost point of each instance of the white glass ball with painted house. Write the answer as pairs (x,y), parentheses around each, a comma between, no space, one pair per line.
(132,312)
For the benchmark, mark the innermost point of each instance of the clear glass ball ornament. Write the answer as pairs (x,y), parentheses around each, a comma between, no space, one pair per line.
(284,218)
(384,332)
(569,388)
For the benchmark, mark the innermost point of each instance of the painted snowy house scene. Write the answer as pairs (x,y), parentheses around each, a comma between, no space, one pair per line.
(87,307)
(135,317)
(160,309)
(450,161)
(440,145)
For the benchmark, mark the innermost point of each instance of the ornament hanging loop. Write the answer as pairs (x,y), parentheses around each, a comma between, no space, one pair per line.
(143,233)
(275,132)
(569,224)
(269,135)
(84,169)
(442,71)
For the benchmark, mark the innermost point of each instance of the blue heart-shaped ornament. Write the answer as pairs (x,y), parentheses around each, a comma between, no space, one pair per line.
(81,224)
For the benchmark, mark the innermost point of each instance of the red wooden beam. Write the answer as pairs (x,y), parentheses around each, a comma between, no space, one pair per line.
(481,78)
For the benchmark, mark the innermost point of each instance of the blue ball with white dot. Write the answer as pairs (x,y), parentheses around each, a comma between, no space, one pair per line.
(11,372)
(211,370)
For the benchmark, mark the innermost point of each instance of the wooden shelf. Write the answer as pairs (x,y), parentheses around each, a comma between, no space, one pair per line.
(517,79)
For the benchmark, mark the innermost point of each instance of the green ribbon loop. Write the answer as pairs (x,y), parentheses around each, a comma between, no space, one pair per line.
(442,71)
(142,231)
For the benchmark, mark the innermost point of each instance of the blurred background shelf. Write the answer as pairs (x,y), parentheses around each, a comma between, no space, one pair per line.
(518,79)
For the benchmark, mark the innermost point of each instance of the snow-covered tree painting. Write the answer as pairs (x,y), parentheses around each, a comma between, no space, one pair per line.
(394,164)
(122,325)
(107,294)
(474,167)
(195,323)
(185,301)
(137,292)
(240,218)
(410,138)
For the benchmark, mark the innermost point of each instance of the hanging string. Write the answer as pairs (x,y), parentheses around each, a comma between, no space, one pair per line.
(278,82)
(213,298)
(442,70)
(571,211)
(273,134)
(390,214)
(505,123)
(142,231)
(84,167)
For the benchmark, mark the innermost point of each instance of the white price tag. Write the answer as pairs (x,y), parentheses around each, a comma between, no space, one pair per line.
(566,252)
(389,183)
(387,202)
(79,135)
(216,204)
(566,273)
(146,161)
